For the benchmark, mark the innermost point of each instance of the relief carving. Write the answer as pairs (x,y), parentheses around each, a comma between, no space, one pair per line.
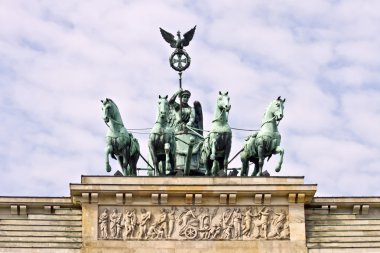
(193,223)
(172,219)
(144,220)
(103,221)
(129,222)
(115,224)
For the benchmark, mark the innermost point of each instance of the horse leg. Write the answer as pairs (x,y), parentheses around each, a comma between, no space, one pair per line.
(244,164)
(163,167)
(279,150)
(132,167)
(167,157)
(121,161)
(125,162)
(156,165)
(221,166)
(172,157)
(213,148)
(133,163)
(153,155)
(260,153)
(208,166)
(215,167)
(256,169)
(226,155)
(108,150)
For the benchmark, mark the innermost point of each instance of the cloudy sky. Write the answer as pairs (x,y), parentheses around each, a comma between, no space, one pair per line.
(59,58)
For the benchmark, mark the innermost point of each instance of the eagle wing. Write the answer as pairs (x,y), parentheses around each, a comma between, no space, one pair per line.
(168,37)
(187,37)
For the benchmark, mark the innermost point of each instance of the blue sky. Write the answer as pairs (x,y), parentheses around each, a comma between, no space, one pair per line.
(59,58)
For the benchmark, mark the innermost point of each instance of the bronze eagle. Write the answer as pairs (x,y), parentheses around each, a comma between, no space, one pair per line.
(179,43)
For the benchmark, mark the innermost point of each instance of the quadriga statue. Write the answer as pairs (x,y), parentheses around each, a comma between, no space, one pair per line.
(120,144)
(265,142)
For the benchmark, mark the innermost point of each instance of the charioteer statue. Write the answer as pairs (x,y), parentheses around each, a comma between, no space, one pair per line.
(183,114)
(188,124)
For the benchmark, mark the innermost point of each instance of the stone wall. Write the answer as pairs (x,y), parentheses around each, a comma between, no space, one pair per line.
(342,225)
(40,225)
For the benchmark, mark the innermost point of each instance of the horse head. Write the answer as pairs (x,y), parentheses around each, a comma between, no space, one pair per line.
(223,102)
(107,110)
(163,108)
(276,108)
(111,112)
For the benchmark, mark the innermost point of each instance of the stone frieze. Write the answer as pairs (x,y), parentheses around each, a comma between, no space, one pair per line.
(193,223)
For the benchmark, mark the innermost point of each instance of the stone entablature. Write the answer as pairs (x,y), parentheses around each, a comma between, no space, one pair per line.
(192,190)
(247,212)
(190,214)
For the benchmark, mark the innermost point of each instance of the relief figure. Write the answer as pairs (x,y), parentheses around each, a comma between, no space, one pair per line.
(277,224)
(226,224)
(261,223)
(145,218)
(216,230)
(103,221)
(152,231)
(236,220)
(247,225)
(115,224)
(172,219)
(162,223)
(129,222)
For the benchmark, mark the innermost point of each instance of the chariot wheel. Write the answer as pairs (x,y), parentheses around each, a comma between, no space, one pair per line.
(191,233)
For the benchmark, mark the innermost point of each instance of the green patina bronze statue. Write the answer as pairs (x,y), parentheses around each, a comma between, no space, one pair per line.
(182,113)
(179,43)
(265,142)
(188,124)
(179,59)
(217,145)
(176,141)
(162,145)
(120,144)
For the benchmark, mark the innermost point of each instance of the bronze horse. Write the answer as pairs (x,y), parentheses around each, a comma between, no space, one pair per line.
(265,142)
(120,144)
(217,145)
(162,145)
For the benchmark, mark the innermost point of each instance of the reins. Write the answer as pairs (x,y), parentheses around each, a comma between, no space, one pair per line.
(270,120)
(220,115)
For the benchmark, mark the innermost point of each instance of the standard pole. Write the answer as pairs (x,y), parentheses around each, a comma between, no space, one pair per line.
(180,79)
(180,95)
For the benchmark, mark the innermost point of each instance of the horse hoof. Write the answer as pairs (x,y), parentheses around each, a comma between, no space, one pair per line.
(108,168)
(278,169)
